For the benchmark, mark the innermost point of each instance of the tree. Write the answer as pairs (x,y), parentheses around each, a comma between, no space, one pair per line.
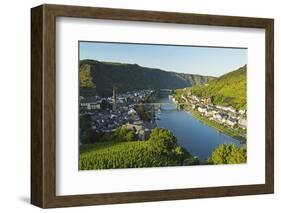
(163,140)
(141,111)
(84,122)
(228,154)
(85,77)
(130,136)
(89,136)
(122,134)
(191,161)
(105,105)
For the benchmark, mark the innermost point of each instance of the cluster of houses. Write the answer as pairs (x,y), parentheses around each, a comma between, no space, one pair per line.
(227,116)
(109,113)
(93,103)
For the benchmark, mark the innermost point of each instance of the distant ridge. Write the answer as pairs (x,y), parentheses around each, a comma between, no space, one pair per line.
(100,77)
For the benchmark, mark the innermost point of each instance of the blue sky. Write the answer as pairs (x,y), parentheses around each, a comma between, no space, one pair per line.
(184,59)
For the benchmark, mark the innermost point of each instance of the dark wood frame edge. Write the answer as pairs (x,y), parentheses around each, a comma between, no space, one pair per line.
(43,105)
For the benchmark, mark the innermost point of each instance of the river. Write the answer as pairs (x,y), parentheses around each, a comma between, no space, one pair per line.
(199,139)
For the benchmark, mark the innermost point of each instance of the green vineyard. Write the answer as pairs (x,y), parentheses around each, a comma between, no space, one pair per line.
(137,154)
(160,150)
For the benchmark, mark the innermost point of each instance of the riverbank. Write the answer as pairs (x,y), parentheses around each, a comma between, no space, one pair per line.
(232,133)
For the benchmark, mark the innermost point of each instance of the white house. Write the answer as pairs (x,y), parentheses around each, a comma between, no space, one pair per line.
(202,110)
(230,122)
(242,111)
(230,109)
(217,116)
(194,98)
(242,123)
(90,106)
(132,112)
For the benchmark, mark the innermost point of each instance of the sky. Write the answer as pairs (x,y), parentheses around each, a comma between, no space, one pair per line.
(211,61)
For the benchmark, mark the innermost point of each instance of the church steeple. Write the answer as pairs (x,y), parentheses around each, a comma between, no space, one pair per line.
(114,99)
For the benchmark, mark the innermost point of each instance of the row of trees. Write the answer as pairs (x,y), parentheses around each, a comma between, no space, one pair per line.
(91,136)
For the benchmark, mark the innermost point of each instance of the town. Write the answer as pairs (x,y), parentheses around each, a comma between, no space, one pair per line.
(121,110)
(226,116)
(127,110)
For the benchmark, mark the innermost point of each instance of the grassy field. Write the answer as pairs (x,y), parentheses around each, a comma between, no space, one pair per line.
(134,154)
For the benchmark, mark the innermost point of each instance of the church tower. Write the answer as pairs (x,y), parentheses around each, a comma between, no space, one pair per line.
(114,99)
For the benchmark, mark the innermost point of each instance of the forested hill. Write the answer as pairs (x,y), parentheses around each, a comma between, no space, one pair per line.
(101,77)
(227,90)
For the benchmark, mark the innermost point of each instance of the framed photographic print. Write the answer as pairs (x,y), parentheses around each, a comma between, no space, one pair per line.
(136,106)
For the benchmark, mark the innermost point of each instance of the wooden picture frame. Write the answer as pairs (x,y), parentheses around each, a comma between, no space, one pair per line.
(43,105)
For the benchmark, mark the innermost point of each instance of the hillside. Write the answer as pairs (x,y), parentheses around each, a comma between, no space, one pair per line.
(100,77)
(161,149)
(227,90)
(133,154)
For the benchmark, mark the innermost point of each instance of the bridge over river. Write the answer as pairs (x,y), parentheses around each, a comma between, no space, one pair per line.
(163,106)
